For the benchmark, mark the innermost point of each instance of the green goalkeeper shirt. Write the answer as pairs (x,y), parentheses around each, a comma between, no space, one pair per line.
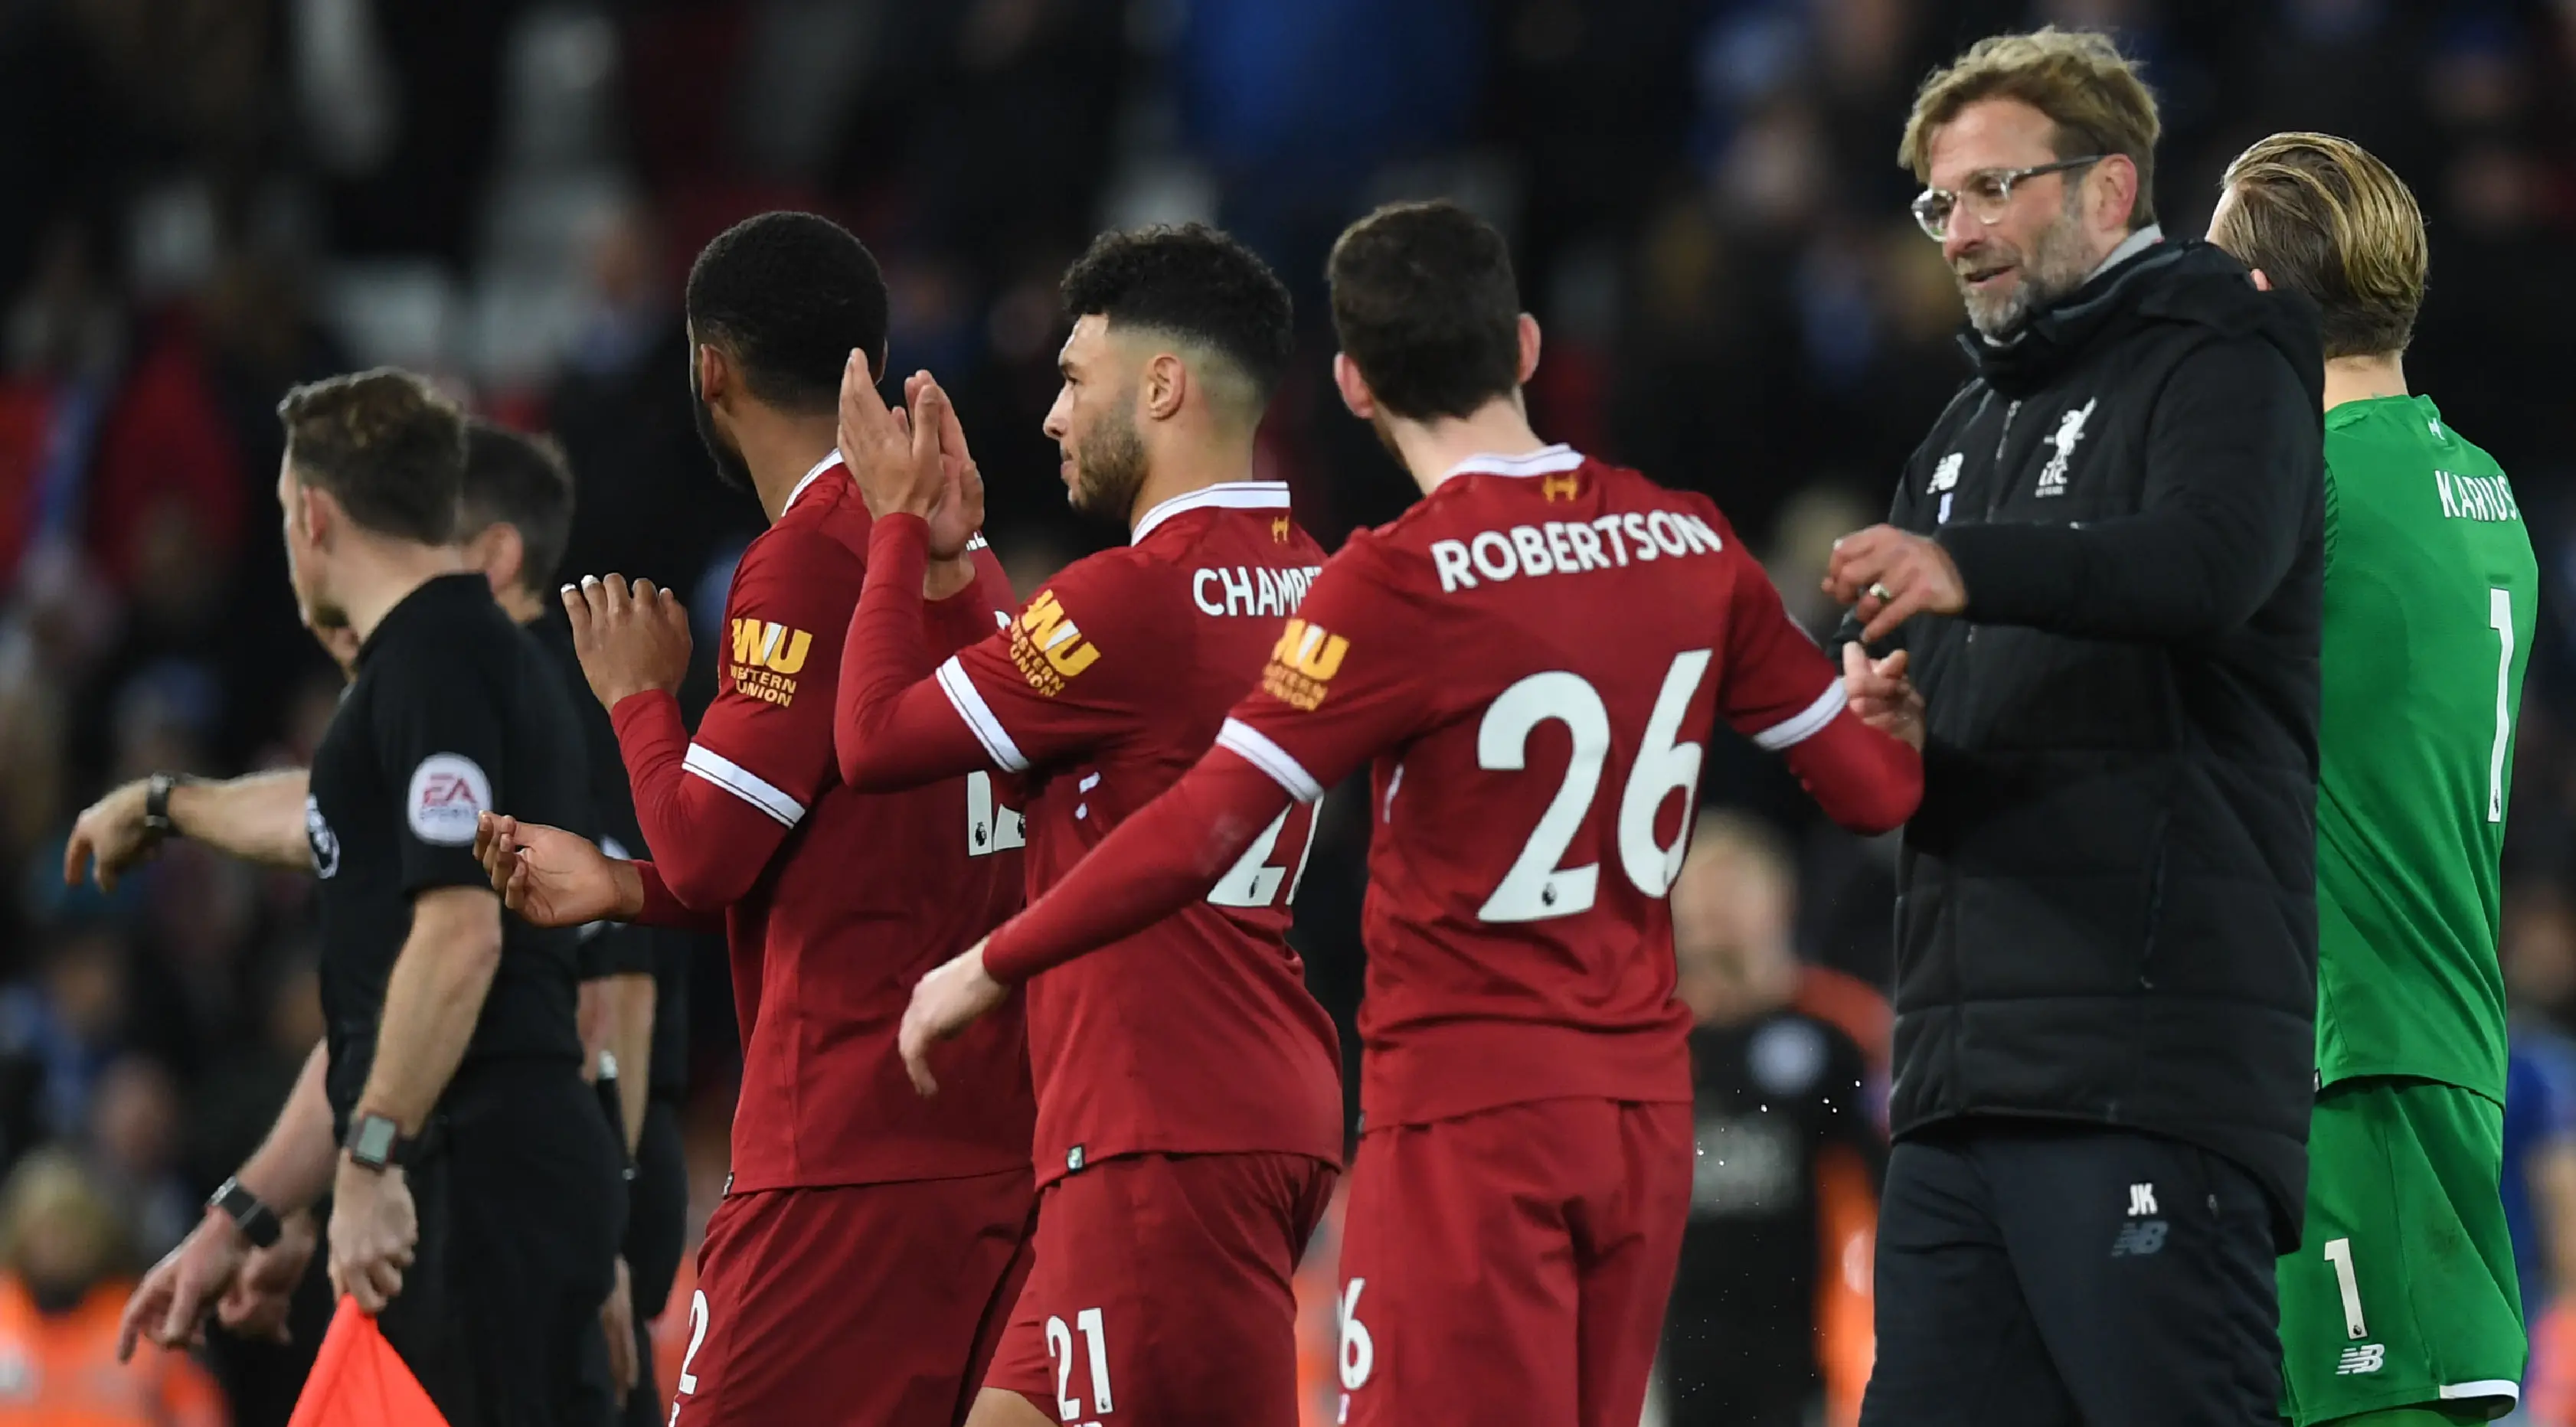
(2431,595)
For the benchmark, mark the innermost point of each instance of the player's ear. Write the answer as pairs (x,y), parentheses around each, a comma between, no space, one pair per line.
(2262,283)
(1529,348)
(1166,385)
(714,374)
(316,514)
(1356,396)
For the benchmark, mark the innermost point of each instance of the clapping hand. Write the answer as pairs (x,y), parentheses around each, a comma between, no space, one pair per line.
(630,639)
(1881,695)
(553,878)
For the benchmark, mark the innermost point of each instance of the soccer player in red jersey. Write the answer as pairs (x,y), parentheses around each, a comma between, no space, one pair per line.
(869,1245)
(1530,658)
(1189,1092)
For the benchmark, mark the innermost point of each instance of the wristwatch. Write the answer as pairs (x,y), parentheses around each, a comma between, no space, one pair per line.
(156,804)
(257,1222)
(376,1141)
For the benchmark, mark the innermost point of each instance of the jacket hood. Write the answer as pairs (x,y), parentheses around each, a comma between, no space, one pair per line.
(2178,280)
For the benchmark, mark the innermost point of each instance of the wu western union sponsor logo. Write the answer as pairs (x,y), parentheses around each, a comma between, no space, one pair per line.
(1303,664)
(1048,647)
(767,658)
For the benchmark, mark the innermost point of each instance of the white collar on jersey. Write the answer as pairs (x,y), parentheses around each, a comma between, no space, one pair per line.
(1545,461)
(1232,495)
(830,459)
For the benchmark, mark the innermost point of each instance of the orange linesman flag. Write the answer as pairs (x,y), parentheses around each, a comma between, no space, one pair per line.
(358,1380)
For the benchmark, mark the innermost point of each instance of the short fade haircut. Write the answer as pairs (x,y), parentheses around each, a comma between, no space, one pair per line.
(2321,216)
(385,445)
(1425,302)
(789,296)
(1197,284)
(2079,79)
(523,482)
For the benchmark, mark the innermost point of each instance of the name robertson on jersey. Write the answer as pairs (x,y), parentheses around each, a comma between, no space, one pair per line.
(1562,547)
(1251,589)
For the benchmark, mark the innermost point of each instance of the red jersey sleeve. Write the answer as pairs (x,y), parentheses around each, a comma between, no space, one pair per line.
(1163,858)
(1345,680)
(1071,673)
(1778,689)
(893,726)
(715,807)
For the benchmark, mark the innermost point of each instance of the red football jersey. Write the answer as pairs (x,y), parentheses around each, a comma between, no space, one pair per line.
(848,898)
(1532,656)
(1110,685)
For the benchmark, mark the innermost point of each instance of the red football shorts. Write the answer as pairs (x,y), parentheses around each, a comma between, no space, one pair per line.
(1511,1266)
(874,1303)
(1163,1292)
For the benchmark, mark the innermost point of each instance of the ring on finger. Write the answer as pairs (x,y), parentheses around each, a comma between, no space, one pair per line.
(1880,592)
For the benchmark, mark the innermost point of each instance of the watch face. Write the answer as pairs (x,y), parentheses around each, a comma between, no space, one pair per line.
(374,1142)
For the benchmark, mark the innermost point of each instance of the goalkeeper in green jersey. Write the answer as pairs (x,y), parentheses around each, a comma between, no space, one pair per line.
(2401,1307)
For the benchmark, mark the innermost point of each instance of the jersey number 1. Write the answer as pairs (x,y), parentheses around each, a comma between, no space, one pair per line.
(2500,619)
(1536,889)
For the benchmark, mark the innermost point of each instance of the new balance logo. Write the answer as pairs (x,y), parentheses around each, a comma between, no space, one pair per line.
(2142,1200)
(2139,1238)
(2367,1358)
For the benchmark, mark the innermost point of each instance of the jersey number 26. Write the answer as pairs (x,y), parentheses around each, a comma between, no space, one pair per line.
(1537,889)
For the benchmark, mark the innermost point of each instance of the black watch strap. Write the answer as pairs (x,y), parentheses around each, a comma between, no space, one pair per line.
(257,1222)
(375,1141)
(156,803)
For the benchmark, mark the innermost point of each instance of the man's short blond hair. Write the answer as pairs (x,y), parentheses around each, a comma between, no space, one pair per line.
(2077,78)
(2320,215)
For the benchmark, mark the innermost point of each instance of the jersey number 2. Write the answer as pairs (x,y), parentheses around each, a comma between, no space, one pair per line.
(1536,889)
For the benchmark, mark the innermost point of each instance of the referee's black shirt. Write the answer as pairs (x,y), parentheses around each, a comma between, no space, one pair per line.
(454,711)
(622,948)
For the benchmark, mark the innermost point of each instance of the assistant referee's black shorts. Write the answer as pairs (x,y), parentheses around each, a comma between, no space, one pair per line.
(2037,1275)
(517,1194)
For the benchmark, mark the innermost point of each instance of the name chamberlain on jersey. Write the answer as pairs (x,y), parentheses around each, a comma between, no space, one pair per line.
(1562,547)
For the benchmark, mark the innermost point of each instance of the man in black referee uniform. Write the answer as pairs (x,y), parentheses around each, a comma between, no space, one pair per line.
(474,1182)
(517,515)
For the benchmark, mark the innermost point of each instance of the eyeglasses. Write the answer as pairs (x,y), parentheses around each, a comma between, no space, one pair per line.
(1986,194)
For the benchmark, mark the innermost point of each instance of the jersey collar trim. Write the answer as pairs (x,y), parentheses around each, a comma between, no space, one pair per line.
(1229,495)
(830,460)
(1545,461)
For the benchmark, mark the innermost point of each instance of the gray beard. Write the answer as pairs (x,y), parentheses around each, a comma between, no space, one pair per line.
(2057,265)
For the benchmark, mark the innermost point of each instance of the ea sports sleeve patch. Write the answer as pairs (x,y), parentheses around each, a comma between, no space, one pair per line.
(447,792)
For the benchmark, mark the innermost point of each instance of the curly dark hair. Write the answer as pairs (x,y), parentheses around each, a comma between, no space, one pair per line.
(1425,303)
(385,445)
(789,296)
(1194,282)
(522,482)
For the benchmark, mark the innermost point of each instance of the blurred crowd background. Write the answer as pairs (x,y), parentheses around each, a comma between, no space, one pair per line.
(205,201)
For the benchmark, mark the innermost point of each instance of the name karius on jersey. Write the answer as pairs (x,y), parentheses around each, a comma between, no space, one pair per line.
(766,659)
(2476,497)
(1249,589)
(1562,547)
(1048,647)
(1302,664)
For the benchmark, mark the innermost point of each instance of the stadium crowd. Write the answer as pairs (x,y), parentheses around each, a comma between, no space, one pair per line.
(1703,203)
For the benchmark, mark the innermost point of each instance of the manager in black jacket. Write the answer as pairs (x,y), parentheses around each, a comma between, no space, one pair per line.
(2102,573)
